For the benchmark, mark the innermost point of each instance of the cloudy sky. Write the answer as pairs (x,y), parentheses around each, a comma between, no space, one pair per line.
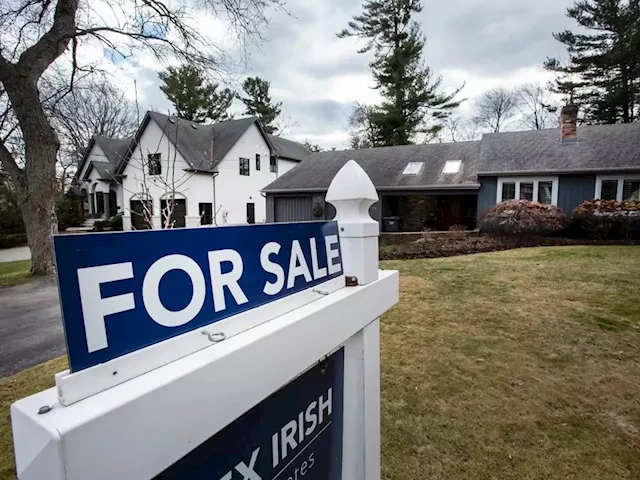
(317,77)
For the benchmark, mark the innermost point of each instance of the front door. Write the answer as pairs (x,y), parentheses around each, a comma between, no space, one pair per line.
(251,213)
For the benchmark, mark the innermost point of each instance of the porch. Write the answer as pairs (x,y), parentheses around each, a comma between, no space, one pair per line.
(410,212)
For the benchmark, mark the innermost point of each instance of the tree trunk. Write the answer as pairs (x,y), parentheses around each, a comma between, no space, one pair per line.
(36,184)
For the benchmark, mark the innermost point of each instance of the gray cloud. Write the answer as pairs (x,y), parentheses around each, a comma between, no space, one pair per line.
(318,76)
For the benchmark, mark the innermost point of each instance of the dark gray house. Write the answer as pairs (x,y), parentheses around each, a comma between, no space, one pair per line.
(449,185)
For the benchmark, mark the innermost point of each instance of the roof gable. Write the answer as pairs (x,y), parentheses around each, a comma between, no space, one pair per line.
(288,149)
(201,146)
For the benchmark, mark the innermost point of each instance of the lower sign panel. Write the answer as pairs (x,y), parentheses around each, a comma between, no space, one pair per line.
(295,434)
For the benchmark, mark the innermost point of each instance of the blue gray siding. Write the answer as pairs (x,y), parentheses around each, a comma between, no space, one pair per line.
(487,194)
(575,189)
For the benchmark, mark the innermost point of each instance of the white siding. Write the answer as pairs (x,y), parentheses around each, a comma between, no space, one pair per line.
(234,191)
(194,188)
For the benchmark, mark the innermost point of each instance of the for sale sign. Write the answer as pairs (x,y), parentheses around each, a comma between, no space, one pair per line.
(295,434)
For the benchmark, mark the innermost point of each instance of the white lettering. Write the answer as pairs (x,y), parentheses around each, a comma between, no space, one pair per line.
(94,307)
(297,265)
(151,290)
(317,272)
(272,248)
(322,406)
(230,279)
(287,438)
(330,241)
(311,418)
(274,450)
(248,472)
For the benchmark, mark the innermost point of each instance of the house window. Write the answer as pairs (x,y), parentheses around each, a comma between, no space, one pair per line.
(508,191)
(526,191)
(609,190)
(155,164)
(257,161)
(206,213)
(618,187)
(413,168)
(244,166)
(452,166)
(251,213)
(273,164)
(542,190)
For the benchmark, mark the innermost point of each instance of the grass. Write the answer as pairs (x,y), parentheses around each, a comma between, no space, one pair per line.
(514,365)
(522,364)
(14,273)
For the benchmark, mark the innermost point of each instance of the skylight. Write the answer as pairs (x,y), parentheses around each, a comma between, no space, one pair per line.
(413,168)
(452,166)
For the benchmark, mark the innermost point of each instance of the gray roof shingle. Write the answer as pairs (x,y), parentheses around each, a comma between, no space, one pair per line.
(115,149)
(599,147)
(385,166)
(194,140)
(289,149)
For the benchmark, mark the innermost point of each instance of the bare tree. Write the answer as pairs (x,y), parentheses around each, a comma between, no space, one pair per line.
(94,107)
(36,33)
(537,107)
(459,129)
(365,131)
(495,108)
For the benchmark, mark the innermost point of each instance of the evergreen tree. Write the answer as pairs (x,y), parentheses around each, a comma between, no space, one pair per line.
(193,98)
(603,72)
(258,102)
(413,102)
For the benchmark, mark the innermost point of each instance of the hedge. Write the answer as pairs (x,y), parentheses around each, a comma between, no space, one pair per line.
(11,240)
(606,219)
(522,217)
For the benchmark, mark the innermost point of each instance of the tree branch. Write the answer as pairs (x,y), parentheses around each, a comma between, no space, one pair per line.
(9,163)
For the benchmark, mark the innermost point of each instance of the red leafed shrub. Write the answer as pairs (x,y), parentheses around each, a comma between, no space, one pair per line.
(522,217)
(606,219)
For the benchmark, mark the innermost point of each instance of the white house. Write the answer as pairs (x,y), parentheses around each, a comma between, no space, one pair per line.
(213,173)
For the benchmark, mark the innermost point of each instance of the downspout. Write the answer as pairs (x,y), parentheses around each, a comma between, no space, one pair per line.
(214,211)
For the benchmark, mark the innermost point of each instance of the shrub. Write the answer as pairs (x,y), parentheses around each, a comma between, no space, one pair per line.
(115,222)
(606,219)
(522,217)
(69,211)
(11,240)
(99,226)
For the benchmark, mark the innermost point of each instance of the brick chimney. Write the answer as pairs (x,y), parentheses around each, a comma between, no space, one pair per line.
(569,123)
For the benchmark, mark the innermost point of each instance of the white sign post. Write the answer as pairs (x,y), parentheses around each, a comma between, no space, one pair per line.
(168,420)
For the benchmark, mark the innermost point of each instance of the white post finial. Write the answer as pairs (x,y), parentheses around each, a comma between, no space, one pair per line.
(352,193)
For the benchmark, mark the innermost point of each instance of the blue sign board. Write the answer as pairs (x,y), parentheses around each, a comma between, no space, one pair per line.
(295,434)
(124,291)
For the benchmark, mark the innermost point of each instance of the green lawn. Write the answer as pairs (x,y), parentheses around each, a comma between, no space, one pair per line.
(14,273)
(522,364)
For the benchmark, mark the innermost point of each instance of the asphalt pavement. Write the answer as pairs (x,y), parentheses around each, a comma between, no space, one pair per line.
(30,325)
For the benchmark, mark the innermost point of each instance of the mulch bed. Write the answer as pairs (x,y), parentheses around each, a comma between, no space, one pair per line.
(449,247)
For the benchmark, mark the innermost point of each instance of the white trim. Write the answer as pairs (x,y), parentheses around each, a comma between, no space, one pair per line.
(619,178)
(535,180)
(73,387)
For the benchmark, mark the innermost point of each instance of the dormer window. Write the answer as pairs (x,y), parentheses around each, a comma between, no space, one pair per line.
(413,168)
(451,167)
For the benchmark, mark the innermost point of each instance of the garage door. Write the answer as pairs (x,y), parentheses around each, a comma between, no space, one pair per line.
(293,209)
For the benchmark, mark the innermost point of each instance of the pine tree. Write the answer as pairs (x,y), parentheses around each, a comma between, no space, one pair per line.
(603,73)
(258,102)
(193,98)
(413,102)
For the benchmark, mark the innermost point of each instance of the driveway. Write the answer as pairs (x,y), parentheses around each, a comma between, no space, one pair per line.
(13,254)
(30,325)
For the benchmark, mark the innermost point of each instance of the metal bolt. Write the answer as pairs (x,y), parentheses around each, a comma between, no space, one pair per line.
(351,281)
(44,409)
(342,229)
(215,337)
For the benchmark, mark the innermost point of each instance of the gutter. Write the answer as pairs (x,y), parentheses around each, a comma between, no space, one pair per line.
(557,172)
(465,186)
